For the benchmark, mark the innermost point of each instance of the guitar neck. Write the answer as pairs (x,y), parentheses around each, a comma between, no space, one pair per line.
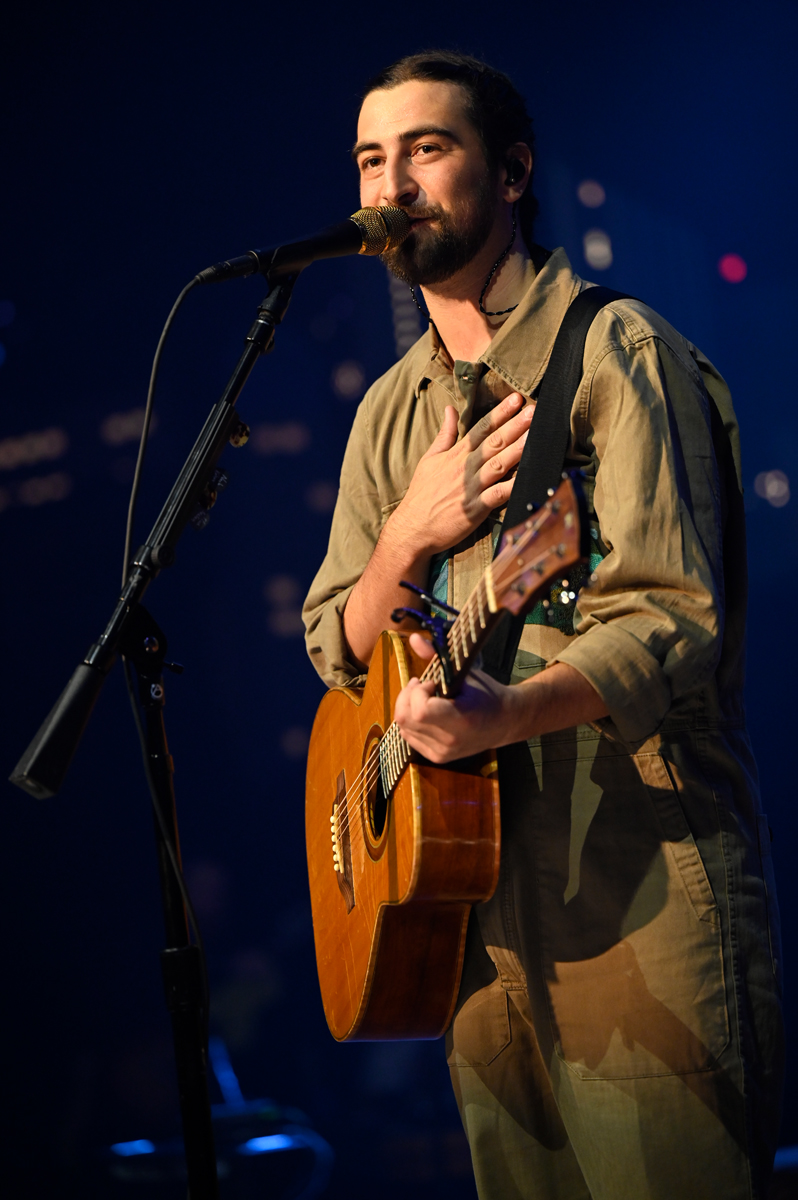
(530,557)
(465,638)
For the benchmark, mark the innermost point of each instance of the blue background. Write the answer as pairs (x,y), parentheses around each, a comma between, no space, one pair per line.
(140,144)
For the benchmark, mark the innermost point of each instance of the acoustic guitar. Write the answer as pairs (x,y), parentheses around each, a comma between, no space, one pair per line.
(400,848)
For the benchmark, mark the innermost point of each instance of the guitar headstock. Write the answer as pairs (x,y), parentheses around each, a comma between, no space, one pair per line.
(534,554)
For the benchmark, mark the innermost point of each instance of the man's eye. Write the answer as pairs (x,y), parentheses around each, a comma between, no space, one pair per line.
(368,164)
(426,148)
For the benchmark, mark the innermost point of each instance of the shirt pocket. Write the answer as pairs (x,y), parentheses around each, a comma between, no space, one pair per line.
(652,1002)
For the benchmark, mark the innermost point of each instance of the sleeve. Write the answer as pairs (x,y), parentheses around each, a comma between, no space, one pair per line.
(650,627)
(356,525)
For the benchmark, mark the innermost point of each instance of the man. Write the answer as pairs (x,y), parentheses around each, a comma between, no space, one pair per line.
(618,1029)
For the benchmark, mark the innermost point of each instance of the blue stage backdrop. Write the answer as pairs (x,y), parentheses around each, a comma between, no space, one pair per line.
(140,144)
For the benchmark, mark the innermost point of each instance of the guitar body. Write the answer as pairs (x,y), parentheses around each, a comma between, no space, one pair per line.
(390,923)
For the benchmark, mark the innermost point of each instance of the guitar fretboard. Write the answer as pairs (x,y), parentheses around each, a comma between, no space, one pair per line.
(467,633)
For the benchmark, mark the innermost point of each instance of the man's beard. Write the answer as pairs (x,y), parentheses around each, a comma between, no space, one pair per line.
(434,256)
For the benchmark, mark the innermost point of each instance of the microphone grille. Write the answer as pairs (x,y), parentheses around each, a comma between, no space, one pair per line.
(381,228)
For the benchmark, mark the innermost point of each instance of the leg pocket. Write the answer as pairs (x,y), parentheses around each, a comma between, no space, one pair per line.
(652,1001)
(481,1028)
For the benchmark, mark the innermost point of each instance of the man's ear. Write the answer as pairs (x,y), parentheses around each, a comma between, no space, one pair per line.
(517,169)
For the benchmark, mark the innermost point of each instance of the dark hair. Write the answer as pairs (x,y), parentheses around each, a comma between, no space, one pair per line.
(495,108)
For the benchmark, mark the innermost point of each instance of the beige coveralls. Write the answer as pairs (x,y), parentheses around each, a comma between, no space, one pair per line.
(621,1038)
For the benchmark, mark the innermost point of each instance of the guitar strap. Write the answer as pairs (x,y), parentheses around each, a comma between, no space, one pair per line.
(543,460)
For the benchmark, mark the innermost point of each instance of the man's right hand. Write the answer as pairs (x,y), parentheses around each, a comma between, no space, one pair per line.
(454,488)
(458,483)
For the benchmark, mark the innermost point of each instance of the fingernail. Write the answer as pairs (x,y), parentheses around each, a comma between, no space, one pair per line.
(514,401)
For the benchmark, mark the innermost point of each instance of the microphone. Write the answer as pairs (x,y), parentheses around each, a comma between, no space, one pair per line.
(368,231)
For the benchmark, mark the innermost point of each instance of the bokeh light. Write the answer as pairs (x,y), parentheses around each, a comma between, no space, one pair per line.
(349,380)
(283,594)
(294,742)
(773,486)
(321,496)
(591,193)
(120,427)
(733,268)
(290,438)
(598,249)
(406,317)
(29,448)
(43,488)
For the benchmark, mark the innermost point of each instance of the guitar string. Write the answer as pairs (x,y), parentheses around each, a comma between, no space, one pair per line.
(355,803)
(373,764)
(392,738)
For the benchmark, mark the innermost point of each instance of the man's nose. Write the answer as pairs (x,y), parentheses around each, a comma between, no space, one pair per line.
(398,185)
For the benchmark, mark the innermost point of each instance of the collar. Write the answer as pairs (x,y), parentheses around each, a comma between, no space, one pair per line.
(521,348)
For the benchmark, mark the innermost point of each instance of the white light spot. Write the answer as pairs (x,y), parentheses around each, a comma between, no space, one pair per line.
(773,486)
(290,438)
(33,447)
(348,380)
(598,249)
(294,742)
(591,193)
(321,496)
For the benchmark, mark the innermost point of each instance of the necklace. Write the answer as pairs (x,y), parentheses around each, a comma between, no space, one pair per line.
(485,312)
(502,311)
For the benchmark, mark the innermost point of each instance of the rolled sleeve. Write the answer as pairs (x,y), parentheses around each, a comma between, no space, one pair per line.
(356,525)
(649,628)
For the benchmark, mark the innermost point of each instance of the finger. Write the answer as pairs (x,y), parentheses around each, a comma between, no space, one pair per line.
(404,701)
(509,436)
(447,434)
(422,646)
(507,410)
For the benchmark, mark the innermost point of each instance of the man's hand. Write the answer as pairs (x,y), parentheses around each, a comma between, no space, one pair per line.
(486,714)
(454,487)
(456,484)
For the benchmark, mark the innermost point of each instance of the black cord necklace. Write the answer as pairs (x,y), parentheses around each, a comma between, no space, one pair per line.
(485,312)
(502,311)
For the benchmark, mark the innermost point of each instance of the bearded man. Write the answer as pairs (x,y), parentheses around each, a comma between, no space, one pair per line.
(618,1028)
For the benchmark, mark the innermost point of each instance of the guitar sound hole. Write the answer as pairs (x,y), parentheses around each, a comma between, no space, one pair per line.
(377,801)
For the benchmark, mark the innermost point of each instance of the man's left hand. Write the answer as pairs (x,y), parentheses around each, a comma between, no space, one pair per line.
(486,714)
(443,730)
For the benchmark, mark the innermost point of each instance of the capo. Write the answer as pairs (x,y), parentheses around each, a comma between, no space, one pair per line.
(434,624)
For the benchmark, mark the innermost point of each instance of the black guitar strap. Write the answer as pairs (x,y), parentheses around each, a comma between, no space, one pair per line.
(542,462)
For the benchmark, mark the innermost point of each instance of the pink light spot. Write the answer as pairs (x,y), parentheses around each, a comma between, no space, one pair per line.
(733,268)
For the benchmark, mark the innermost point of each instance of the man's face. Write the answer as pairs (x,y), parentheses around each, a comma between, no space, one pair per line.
(417,149)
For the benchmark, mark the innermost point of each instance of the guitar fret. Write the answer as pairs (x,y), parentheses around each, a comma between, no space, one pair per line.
(480,609)
(454,643)
(471,620)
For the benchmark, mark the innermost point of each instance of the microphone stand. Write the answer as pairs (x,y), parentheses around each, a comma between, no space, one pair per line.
(132,632)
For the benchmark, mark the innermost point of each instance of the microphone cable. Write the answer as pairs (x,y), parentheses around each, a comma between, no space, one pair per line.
(131,687)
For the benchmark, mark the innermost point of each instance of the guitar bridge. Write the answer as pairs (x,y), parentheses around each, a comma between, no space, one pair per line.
(341,844)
